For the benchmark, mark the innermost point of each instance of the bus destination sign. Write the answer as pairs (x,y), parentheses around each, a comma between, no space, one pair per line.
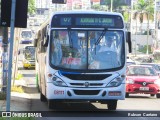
(95,21)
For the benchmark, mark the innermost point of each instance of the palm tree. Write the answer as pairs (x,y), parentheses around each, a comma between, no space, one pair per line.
(145,8)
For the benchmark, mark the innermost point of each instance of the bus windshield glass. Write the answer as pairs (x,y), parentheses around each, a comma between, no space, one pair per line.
(87,49)
(29,53)
(26,34)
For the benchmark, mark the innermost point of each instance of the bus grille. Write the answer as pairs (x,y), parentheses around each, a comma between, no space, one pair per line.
(86,92)
(87,76)
(82,84)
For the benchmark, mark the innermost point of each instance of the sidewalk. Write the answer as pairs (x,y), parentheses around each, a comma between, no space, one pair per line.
(19,102)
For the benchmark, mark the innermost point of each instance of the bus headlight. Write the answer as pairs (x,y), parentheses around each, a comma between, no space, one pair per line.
(115,82)
(58,82)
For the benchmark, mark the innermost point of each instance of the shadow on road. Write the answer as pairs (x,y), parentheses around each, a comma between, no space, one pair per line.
(29,75)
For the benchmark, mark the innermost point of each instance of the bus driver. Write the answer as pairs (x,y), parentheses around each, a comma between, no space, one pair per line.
(108,46)
(109,59)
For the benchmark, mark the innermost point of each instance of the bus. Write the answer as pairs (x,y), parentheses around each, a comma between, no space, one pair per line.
(70,63)
(26,36)
(29,57)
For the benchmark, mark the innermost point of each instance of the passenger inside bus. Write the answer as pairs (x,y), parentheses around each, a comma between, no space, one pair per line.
(56,49)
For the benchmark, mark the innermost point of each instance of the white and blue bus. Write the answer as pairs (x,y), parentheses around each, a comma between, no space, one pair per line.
(73,62)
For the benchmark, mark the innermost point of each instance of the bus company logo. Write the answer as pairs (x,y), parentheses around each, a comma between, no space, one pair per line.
(58,92)
(144,83)
(86,84)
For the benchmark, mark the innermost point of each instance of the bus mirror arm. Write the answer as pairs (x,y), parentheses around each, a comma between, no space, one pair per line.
(128,40)
(35,42)
(45,41)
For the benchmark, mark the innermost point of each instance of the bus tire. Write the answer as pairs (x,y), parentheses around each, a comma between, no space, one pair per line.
(112,104)
(42,97)
(127,95)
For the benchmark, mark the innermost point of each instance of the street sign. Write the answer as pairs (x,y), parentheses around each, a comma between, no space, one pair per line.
(20,14)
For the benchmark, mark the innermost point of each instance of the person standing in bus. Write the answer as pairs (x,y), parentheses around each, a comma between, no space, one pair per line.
(56,49)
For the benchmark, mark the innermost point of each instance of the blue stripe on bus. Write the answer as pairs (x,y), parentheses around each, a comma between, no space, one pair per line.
(63,72)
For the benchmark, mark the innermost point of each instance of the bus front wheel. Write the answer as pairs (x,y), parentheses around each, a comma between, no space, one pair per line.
(42,97)
(112,105)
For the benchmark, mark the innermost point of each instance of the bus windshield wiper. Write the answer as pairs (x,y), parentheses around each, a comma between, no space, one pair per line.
(101,36)
(70,39)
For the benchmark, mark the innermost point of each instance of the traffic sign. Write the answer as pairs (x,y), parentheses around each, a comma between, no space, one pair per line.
(20,13)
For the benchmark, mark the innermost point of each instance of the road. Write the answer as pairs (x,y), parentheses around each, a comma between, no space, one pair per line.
(135,103)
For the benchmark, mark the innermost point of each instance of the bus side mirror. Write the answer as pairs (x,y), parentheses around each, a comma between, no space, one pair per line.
(128,40)
(35,42)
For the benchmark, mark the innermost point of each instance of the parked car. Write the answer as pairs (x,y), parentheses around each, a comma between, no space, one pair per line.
(142,79)
(154,65)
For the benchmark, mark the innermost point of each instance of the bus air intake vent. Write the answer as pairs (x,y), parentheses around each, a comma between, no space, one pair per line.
(87,76)
(86,92)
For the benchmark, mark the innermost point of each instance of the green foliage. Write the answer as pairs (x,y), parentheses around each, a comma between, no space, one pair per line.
(157,56)
(116,4)
(126,16)
(17,89)
(96,7)
(19,76)
(2,96)
(31,6)
(144,49)
(144,8)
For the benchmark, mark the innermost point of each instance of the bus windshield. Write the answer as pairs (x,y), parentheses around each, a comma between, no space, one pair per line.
(26,34)
(87,49)
(29,53)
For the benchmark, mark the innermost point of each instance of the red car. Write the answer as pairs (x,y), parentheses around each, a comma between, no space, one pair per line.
(142,79)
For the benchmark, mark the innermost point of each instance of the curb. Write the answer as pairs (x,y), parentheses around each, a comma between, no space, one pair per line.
(30,90)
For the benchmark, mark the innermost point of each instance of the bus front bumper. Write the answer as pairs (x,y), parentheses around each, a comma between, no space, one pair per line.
(92,94)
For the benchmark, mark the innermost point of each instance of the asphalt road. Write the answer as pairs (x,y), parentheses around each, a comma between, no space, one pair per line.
(136,104)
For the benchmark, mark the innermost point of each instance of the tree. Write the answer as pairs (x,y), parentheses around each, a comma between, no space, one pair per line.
(99,7)
(31,6)
(144,8)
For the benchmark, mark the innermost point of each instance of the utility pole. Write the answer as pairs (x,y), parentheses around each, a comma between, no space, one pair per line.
(111,5)
(4,59)
(156,24)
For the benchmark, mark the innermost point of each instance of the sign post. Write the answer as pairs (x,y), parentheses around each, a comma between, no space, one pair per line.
(13,7)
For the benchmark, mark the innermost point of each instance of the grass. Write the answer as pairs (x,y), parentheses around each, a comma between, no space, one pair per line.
(17,89)
(19,76)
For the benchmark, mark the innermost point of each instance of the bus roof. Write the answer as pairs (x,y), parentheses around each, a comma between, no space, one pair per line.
(87,12)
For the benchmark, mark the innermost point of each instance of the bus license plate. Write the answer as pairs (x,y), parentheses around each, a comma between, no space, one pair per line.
(144,88)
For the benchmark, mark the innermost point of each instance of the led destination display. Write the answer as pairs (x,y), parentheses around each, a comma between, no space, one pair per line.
(87,21)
